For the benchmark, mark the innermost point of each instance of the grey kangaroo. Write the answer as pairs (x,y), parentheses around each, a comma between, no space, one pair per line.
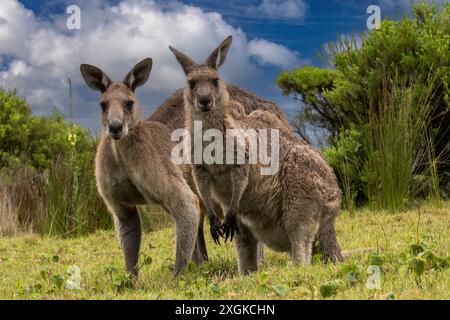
(133,167)
(169,114)
(285,211)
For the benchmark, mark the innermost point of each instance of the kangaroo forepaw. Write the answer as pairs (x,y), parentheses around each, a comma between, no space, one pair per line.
(230,227)
(216,231)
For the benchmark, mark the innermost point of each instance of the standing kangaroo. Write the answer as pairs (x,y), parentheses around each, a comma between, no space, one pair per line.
(285,211)
(133,167)
(169,114)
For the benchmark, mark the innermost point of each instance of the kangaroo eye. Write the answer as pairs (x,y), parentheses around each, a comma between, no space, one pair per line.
(104,106)
(192,83)
(129,105)
(215,82)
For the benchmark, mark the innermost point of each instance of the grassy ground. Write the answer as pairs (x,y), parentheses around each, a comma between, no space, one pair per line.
(413,250)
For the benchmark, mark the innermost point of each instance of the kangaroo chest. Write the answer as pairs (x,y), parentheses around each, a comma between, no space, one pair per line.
(113,179)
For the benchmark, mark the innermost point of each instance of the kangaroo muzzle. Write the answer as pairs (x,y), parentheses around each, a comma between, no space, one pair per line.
(116,129)
(205,103)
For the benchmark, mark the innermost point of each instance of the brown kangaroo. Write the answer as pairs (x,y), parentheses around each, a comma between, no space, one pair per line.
(133,167)
(286,210)
(169,114)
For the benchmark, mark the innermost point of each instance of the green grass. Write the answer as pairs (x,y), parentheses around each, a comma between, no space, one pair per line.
(400,144)
(32,267)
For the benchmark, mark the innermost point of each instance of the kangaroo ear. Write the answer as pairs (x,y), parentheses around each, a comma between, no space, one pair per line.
(218,56)
(95,78)
(139,74)
(186,63)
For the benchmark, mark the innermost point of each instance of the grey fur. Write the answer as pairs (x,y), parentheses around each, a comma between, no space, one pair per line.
(133,167)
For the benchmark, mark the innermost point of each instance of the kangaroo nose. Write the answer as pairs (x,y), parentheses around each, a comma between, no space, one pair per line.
(204,101)
(115,127)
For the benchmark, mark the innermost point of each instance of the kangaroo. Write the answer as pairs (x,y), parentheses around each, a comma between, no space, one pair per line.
(284,211)
(133,167)
(169,114)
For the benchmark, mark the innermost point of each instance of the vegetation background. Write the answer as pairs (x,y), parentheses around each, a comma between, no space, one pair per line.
(382,109)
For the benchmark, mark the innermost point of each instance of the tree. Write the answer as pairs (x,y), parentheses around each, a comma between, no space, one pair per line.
(410,49)
(408,58)
(308,86)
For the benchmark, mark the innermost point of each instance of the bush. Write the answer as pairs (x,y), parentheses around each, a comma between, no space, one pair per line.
(47,181)
(402,67)
(398,145)
(48,172)
(27,140)
(347,159)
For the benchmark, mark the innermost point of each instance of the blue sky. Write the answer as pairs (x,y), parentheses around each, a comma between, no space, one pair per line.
(324,20)
(269,36)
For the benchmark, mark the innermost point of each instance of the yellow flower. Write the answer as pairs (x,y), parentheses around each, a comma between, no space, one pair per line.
(72,137)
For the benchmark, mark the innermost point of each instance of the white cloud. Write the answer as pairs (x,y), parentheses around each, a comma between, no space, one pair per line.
(280,9)
(19,68)
(45,54)
(15,24)
(266,52)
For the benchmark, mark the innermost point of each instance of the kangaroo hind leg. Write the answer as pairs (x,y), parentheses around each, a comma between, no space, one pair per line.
(184,208)
(247,249)
(127,222)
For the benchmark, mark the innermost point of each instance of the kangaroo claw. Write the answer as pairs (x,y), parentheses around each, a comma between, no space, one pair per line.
(230,227)
(216,231)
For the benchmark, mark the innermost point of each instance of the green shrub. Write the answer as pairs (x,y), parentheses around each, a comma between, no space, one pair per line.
(47,181)
(347,157)
(27,140)
(397,146)
(402,67)
(48,167)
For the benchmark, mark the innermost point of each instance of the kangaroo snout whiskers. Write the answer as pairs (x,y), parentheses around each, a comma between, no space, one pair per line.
(116,130)
(204,103)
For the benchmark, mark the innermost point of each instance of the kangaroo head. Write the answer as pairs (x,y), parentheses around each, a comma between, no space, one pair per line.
(205,90)
(119,106)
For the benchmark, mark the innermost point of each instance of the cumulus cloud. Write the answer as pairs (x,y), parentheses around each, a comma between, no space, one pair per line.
(280,9)
(269,53)
(45,53)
